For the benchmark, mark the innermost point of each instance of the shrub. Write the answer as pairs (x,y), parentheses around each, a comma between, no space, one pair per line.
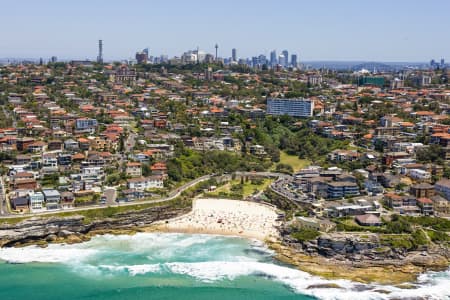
(304,234)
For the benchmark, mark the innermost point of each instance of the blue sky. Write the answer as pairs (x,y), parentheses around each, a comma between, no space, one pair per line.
(381,30)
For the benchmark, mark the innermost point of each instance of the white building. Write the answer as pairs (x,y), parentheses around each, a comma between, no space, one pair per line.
(144,183)
(36,201)
(419,174)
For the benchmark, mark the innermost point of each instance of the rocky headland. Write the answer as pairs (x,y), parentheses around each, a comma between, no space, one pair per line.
(73,229)
(361,257)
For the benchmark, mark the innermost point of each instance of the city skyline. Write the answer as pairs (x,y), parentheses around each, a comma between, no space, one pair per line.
(324,31)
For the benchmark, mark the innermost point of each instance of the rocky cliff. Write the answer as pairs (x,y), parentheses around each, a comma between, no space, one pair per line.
(76,228)
(361,257)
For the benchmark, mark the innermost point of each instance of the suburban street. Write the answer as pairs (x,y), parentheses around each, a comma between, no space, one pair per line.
(3,205)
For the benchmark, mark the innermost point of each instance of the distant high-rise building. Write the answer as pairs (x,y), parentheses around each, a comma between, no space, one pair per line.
(234,54)
(294,62)
(54,59)
(100,52)
(262,60)
(292,107)
(254,61)
(286,58)
(281,60)
(442,63)
(273,57)
(146,51)
(142,57)
(217,47)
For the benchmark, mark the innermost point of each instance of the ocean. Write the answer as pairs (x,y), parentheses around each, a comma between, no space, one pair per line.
(179,266)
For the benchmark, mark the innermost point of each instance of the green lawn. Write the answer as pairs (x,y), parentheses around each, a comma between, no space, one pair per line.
(247,189)
(293,160)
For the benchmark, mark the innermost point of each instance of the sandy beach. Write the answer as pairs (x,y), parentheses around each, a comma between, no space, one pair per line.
(226,217)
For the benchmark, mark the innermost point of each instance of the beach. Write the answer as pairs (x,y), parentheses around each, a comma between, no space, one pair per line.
(226,217)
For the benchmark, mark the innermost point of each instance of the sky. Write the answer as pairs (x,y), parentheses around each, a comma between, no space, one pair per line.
(338,30)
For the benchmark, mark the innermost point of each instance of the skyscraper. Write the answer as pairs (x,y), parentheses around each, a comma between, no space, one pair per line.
(234,54)
(100,52)
(262,60)
(286,58)
(217,47)
(281,60)
(294,62)
(273,58)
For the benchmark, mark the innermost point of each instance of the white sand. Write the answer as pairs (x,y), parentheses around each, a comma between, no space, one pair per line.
(228,217)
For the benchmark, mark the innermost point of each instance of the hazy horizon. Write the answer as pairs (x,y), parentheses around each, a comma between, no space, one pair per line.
(385,31)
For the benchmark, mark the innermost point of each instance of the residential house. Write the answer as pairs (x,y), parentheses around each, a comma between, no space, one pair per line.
(159,168)
(441,206)
(20,204)
(54,145)
(36,201)
(401,203)
(52,198)
(145,183)
(25,183)
(37,147)
(443,187)
(134,169)
(71,145)
(419,174)
(426,206)
(422,190)
(67,200)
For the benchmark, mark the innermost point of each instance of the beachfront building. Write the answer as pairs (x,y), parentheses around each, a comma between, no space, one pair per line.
(426,206)
(339,189)
(52,198)
(144,183)
(36,201)
(298,107)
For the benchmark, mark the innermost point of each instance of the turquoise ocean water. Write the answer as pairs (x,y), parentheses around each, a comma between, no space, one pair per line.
(178,266)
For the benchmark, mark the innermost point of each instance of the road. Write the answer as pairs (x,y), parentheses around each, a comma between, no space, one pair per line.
(130,142)
(264,174)
(3,199)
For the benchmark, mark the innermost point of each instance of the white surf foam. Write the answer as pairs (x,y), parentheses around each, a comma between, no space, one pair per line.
(133,270)
(52,254)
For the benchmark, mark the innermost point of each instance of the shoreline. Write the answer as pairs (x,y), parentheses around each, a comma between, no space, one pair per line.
(236,218)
